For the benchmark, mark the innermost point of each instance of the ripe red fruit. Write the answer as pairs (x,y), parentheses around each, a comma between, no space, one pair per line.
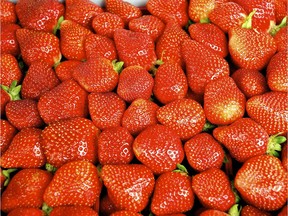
(7,12)
(281,39)
(19,192)
(74,183)
(261,187)
(73,211)
(9,43)
(70,140)
(129,186)
(5,98)
(218,192)
(159,148)
(26,212)
(212,212)
(284,157)
(67,100)
(7,133)
(249,210)
(125,213)
(184,116)
(65,68)
(10,70)
(203,152)
(9,93)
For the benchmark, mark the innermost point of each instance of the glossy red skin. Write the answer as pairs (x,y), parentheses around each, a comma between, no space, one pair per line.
(25,150)
(281,39)
(9,43)
(5,98)
(260,187)
(249,210)
(65,68)
(73,211)
(280,10)
(284,156)
(212,212)
(10,70)
(125,213)
(26,212)
(8,13)
(19,192)
(7,133)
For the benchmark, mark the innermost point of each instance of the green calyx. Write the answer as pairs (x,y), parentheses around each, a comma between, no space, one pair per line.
(50,168)
(204,20)
(248,21)
(274,144)
(6,173)
(46,209)
(57,27)
(117,66)
(276,28)
(208,127)
(13,91)
(235,210)
(181,169)
(235,192)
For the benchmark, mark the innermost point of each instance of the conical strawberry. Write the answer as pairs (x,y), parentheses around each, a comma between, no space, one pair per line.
(8,13)
(73,211)
(65,68)
(10,70)
(9,43)
(7,134)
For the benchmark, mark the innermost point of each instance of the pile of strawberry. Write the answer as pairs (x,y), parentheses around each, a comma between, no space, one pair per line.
(177,109)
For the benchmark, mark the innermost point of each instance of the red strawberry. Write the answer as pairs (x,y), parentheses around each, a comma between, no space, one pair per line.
(125,213)
(228,15)
(106,109)
(74,183)
(19,192)
(249,210)
(38,45)
(73,211)
(25,150)
(26,212)
(213,212)
(224,103)
(5,98)
(250,49)
(73,37)
(148,24)
(82,12)
(203,152)
(184,116)
(269,110)
(281,39)
(106,206)
(39,15)
(170,83)
(280,10)
(115,146)
(97,74)
(284,157)
(9,94)
(7,12)
(262,182)
(251,82)
(159,148)
(167,10)
(135,82)
(9,43)
(65,68)
(100,46)
(173,193)
(125,10)
(194,96)
(70,140)
(39,79)
(139,115)
(202,65)
(7,134)
(135,48)
(67,100)
(10,70)
(23,113)
(129,186)
(210,36)
(106,23)
(218,192)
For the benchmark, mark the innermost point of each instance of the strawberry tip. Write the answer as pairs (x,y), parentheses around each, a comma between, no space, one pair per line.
(235,210)
(274,144)
(7,173)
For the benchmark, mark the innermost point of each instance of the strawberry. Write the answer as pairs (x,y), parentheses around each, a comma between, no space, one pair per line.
(9,43)
(125,10)
(262,182)
(135,48)
(194,96)
(218,192)
(115,146)
(269,110)
(281,39)
(184,116)
(39,79)
(7,12)
(26,212)
(251,82)
(276,72)
(74,183)
(73,36)
(228,15)
(203,152)
(213,212)
(106,206)
(284,157)
(9,94)
(129,186)
(159,148)
(100,46)
(106,23)
(148,24)
(65,68)
(249,210)
(202,65)
(135,82)
(250,49)
(73,211)
(106,109)
(97,74)
(39,15)
(19,192)
(25,150)
(7,134)
(5,98)
(167,10)
(280,10)
(168,45)
(125,213)
(170,83)
(224,103)
(81,145)
(67,100)
(173,193)
(82,12)
(23,113)
(38,45)
(210,36)
(10,70)
(139,115)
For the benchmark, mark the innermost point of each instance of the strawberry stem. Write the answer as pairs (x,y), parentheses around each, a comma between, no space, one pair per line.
(248,21)
(274,144)
(117,66)
(46,209)
(276,28)
(235,210)
(181,169)
(13,91)
(205,20)
(6,173)
(50,168)
(57,26)
(208,127)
